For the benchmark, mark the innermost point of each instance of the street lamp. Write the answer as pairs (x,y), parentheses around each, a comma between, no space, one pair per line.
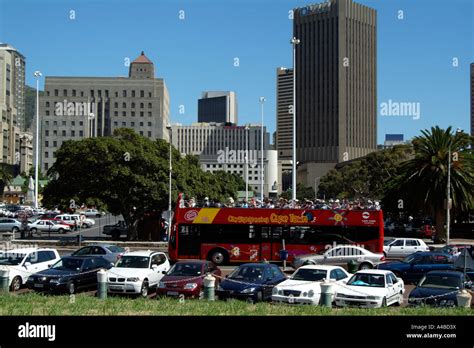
(448,190)
(37,74)
(246,164)
(170,172)
(294,42)
(262,100)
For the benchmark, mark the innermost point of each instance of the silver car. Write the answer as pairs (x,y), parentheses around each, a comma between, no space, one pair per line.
(10,225)
(339,256)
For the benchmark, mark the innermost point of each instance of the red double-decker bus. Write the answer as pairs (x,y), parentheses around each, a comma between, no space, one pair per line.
(226,235)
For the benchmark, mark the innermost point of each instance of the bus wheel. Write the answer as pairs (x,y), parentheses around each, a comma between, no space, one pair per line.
(218,256)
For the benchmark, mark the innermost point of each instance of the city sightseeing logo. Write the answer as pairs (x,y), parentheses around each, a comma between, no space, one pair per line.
(338,217)
(190,215)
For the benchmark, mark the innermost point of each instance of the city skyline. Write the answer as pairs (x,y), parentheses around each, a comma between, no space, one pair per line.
(419,61)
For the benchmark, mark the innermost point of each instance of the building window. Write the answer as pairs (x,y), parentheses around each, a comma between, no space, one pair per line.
(124,114)
(65,92)
(46,166)
(46,143)
(149,113)
(81,133)
(64,123)
(115,123)
(133,105)
(56,92)
(132,124)
(142,105)
(46,133)
(142,94)
(92,93)
(149,134)
(133,113)
(133,93)
(124,93)
(141,124)
(73,92)
(124,124)
(47,112)
(116,94)
(46,123)
(141,133)
(55,143)
(55,123)
(64,133)
(47,93)
(99,93)
(149,94)
(149,124)
(73,133)
(47,104)
(115,113)
(124,105)
(81,123)
(106,93)
(82,93)
(73,123)
(149,106)
(46,154)
(116,105)
(141,113)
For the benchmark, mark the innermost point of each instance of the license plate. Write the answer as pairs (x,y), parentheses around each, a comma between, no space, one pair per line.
(39,285)
(172,293)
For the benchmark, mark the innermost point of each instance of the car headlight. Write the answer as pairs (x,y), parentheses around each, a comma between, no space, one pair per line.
(248,290)
(54,281)
(161,285)
(310,293)
(305,294)
(134,279)
(275,291)
(411,299)
(373,297)
(190,286)
(442,302)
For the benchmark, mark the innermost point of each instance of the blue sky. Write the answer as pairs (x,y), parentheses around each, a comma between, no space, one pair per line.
(415,54)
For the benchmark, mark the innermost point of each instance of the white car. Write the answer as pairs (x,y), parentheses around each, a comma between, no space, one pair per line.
(304,286)
(371,289)
(93,213)
(48,226)
(137,272)
(401,247)
(26,261)
(339,256)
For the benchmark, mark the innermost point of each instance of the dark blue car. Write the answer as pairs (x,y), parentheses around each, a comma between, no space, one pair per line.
(251,281)
(439,288)
(413,267)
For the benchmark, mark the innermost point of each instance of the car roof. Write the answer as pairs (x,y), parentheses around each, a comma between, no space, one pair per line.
(142,253)
(82,257)
(446,271)
(374,271)
(429,253)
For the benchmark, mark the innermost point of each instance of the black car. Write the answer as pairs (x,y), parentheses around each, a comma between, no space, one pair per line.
(69,274)
(439,288)
(251,281)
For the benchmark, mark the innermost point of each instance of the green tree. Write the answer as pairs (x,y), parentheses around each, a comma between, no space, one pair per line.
(127,174)
(6,176)
(422,181)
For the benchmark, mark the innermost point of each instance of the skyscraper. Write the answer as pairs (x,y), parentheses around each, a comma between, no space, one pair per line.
(472,98)
(335,85)
(284,93)
(219,107)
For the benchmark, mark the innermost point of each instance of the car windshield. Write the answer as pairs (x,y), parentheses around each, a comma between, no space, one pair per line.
(310,275)
(11,259)
(440,281)
(115,249)
(68,264)
(410,258)
(366,279)
(388,241)
(247,272)
(133,262)
(185,269)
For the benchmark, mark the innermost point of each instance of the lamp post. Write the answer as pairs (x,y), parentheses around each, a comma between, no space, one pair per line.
(170,172)
(246,164)
(262,100)
(448,191)
(294,42)
(37,74)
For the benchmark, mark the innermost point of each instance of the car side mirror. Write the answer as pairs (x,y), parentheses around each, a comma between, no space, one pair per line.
(154,267)
(390,285)
(163,272)
(27,264)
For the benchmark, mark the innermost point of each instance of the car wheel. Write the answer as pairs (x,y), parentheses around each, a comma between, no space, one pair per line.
(400,299)
(365,265)
(61,230)
(15,229)
(71,287)
(384,302)
(144,290)
(16,284)
(218,256)
(33,230)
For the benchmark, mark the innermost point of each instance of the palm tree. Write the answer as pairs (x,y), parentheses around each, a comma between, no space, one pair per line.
(423,179)
(5,177)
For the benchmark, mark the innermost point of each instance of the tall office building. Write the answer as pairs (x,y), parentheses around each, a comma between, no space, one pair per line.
(472,98)
(224,147)
(284,100)
(220,107)
(76,107)
(336,85)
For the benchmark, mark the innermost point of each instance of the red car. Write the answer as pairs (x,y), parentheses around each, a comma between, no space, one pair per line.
(186,278)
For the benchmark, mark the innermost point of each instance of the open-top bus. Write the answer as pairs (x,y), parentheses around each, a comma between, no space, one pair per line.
(225,235)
